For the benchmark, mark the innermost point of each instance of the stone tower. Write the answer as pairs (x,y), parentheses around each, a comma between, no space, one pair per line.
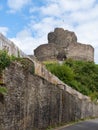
(62,44)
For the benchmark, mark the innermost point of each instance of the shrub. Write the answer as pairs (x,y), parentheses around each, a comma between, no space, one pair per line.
(81,75)
(4,60)
(63,72)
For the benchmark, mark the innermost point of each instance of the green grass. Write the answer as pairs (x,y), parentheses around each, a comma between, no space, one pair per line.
(80,75)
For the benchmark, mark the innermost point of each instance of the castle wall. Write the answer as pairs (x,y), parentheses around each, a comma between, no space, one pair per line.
(46,52)
(9,46)
(62,37)
(32,98)
(81,52)
(66,46)
(35,103)
(77,51)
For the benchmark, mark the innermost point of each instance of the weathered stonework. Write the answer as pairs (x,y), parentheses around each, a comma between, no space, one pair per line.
(63,44)
(36,101)
(33,103)
(9,46)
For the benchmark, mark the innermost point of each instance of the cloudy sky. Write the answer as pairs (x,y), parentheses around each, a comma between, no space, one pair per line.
(27,22)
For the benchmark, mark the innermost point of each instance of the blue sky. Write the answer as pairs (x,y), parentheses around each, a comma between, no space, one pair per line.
(27,22)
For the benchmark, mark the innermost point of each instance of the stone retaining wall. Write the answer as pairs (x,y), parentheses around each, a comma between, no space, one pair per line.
(36,101)
(33,103)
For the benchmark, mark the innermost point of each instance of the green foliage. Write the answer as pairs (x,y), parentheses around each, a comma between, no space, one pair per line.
(4,60)
(3,90)
(94,96)
(13,58)
(81,75)
(64,73)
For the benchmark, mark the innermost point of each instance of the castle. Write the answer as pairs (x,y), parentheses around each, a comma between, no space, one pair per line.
(31,98)
(62,44)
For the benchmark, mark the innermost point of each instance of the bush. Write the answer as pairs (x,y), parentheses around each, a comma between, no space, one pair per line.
(4,60)
(63,72)
(81,75)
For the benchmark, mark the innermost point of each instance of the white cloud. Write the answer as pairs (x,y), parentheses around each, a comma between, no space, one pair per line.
(78,16)
(76,5)
(16,5)
(72,5)
(52,9)
(26,42)
(32,36)
(4,30)
(83,16)
(87,32)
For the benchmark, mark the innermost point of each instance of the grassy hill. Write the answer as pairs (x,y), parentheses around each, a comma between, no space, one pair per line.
(80,75)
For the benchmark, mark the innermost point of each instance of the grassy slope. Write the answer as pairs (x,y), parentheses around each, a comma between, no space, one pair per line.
(80,75)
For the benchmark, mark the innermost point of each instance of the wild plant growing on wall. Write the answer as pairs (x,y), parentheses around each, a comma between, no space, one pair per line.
(4,60)
(3,90)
